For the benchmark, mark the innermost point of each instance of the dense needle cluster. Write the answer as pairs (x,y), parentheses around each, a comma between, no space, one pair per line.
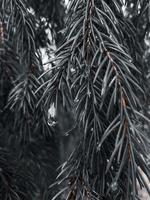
(98,88)
(97,74)
(25,137)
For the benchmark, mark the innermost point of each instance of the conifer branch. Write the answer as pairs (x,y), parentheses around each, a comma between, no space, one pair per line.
(95,65)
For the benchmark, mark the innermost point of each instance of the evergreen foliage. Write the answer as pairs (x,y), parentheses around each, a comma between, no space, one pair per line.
(24,132)
(99,73)
(98,83)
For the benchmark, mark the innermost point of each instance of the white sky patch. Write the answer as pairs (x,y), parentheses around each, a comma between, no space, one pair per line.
(45,57)
(66,1)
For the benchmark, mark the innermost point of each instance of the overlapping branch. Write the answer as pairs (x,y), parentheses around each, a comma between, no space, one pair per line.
(96,69)
(21,66)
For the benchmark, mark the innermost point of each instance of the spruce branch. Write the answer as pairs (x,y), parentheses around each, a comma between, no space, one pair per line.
(21,66)
(96,66)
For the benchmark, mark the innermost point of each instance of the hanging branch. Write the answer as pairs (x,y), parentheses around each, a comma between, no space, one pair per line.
(95,67)
(21,66)
(23,125)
